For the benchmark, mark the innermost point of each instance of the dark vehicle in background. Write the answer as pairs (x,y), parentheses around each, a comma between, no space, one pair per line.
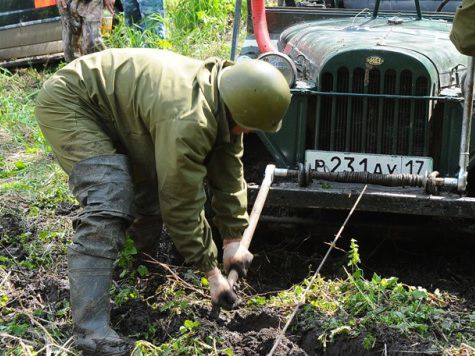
(30,31)
(378,98)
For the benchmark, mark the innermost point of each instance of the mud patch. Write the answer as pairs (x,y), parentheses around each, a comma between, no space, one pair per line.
(340,346)
(133,316)
(261,342)
(11,225)
(254,321)
(54,289)
(255,333)
(14,234)
(66,208)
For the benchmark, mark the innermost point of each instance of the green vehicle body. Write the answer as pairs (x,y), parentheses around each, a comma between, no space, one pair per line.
(387,84)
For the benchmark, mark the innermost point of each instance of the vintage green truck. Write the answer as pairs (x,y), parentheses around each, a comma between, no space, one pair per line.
(378,97)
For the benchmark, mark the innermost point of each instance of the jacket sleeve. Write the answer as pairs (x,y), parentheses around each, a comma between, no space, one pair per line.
(181,150)
(229,190)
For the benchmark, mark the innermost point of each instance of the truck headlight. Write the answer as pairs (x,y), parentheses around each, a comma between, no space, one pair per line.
(283,63)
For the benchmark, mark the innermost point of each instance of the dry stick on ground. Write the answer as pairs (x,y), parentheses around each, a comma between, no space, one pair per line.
(317,272)
(50,341)
(68,343)
(8,336)
(439,330)
(176,277)
(468,348)
(56,346)
(4,280)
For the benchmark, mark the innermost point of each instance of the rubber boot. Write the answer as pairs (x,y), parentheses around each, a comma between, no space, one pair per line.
(103,186)
(90,280)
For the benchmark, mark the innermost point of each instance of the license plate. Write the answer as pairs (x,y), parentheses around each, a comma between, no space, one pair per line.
(331,161)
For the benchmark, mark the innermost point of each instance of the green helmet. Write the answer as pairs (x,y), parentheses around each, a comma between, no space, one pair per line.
(256,94)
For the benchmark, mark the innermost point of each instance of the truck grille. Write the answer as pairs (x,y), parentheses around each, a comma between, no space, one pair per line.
(373,125)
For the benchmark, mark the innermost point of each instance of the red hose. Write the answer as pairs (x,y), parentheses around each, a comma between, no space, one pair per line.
(258,10)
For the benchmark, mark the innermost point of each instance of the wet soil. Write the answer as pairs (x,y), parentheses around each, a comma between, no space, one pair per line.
(284,255)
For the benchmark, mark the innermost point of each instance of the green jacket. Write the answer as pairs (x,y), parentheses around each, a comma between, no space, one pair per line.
(165,110)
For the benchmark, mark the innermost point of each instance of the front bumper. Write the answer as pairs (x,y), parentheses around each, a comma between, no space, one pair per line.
(342,196)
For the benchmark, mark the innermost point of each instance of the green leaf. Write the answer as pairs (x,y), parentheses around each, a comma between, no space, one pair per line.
(354,255)
(422,328)
(472,319)
(142,270)
(419,294)
(368,342)
(190,324)
(28,264)
(357,274)
(3,300)
(376,279)
(228,352)
(20,165)
(129,247)
(32,150)
(257,300)
(18,329)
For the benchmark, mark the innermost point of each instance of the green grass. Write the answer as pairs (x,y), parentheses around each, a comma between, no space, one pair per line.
(199,29)
(27,167)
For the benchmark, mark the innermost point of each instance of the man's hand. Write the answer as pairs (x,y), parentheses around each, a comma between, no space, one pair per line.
(222,294)
(109,5)
(236,256)
(62,3)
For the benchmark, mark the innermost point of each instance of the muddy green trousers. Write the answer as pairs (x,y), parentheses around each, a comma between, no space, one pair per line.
(76,134)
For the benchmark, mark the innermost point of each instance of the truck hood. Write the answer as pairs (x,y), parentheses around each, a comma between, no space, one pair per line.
(313,44)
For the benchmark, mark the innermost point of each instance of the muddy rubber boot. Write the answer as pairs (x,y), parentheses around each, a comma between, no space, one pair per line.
(146,231)
(90,279)
(103,187)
